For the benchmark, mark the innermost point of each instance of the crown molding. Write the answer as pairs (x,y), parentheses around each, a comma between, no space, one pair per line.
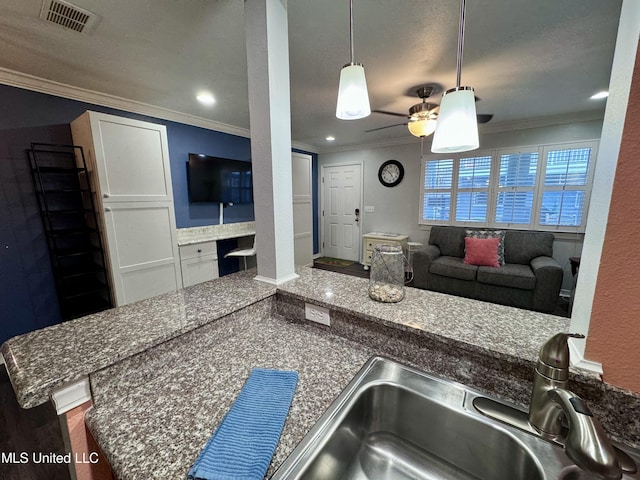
(305,147)
(540,122)
(50,87)
(42,85)
(390,142)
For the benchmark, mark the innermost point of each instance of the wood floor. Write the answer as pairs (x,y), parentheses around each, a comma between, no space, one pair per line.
(356,269)
(34,430)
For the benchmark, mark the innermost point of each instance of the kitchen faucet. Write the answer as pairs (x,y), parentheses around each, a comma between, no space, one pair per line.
(586,442)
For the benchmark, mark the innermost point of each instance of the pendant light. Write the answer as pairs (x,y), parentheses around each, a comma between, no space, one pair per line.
(457,129)
(353,98)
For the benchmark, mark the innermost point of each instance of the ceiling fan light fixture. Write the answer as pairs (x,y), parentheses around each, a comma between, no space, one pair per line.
(422,127)
(457,122)
(353,97)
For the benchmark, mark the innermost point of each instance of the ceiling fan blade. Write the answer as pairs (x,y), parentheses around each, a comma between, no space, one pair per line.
(382,128)
(484,117)
(392,113)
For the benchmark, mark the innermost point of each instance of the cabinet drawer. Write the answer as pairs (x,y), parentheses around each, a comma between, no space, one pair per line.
(371,243)
(196,250)
(367,257)
(196,270)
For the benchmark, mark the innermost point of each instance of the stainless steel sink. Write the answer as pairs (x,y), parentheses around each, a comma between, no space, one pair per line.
(394,422)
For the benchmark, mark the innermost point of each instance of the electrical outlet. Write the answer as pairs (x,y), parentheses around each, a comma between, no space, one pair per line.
(317,314)
(369,209)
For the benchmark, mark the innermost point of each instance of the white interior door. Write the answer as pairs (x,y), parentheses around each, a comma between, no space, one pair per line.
(302,209)
(341,201)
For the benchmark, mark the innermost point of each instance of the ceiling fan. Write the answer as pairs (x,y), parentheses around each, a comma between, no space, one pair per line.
(422,118)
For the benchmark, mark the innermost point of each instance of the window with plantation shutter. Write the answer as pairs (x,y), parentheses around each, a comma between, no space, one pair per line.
(473,189)
(436,198)
(564,188)
(543,187)
(516,183)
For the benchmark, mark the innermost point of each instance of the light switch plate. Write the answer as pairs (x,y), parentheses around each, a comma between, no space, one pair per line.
(317,314)
(369,209)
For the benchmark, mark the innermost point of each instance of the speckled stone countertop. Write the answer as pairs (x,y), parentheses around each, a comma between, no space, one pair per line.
(156,407)
(154,412)
(494,329)
(41,361)
(187,236)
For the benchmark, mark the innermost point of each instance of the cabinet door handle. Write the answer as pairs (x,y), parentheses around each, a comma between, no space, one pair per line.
(107,209)
(105,195)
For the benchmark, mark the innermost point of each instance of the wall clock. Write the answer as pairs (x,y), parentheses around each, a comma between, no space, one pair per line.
(391,173)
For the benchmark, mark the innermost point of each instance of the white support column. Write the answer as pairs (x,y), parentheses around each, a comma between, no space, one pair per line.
(270,115)
(612,127)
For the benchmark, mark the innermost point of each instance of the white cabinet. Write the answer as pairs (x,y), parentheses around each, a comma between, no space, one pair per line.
(128,161)
(199,263)
(370,240)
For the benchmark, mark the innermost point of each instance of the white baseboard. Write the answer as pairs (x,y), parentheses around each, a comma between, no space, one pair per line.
(576,354)
(71,396)
(590,366)
(276,281)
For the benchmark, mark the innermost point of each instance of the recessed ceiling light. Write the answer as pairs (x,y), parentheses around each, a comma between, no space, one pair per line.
(599,95)
(206,98)
(330,138)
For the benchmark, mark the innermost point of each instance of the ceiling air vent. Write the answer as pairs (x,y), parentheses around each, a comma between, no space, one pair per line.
(67,15)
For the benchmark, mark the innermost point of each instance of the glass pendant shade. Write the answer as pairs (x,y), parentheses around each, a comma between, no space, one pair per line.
(353,97)
(457,129)
(422,128)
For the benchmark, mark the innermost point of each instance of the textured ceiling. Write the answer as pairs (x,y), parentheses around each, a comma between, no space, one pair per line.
(526,59)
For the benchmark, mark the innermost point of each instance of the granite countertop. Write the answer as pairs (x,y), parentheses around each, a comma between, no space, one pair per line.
(40,362)
(154,412)
(495,330)
(156,407)
(191,235)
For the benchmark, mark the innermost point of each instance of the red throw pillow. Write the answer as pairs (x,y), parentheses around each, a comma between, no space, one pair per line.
(481,251)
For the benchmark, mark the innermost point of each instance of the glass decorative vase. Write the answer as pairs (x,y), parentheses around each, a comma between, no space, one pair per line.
(387,275)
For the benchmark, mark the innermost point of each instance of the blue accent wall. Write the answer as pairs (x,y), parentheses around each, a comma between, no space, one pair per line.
(185,139)
(27,292)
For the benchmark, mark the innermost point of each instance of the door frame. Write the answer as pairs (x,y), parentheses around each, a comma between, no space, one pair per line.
(322,199)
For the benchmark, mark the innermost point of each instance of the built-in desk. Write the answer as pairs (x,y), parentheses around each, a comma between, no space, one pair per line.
(200,252)
(191,235)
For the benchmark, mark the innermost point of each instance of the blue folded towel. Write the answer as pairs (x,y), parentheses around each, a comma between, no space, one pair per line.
(243,445)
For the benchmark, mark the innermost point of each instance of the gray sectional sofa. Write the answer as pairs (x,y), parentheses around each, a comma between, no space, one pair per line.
(530,279)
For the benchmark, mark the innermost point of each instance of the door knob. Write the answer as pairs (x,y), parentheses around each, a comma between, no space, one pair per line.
(105,195)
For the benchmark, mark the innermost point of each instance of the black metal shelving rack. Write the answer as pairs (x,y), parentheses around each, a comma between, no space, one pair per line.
(66,202)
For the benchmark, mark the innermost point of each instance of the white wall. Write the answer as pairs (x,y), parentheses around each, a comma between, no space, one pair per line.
(396,208)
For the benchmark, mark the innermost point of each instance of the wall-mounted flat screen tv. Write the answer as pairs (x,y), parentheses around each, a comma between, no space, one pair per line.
(222,180)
